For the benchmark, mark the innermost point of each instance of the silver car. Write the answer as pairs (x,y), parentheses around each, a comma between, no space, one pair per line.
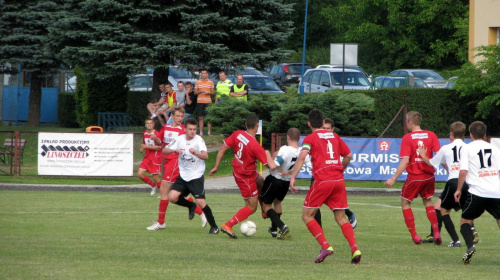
(323,79)
(430,77)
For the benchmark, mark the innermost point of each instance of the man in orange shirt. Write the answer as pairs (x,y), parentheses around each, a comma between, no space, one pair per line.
(204,89)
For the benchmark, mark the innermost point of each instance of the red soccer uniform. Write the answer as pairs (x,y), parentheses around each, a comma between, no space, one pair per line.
(246,153)
(409,146)
(169,133)
(326,148)
(152,158)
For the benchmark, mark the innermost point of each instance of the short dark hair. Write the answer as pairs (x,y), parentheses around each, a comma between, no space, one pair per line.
(330,121)
(458,130)
(190,121)
(169,84)
(188,83)
(294,134)
(180,82)
(252,121)
(148,119)
(477,129)
(222,71)
(203,69)
(315,118)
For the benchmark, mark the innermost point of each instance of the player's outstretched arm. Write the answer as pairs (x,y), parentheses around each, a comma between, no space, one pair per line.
(401,167)
(270,161)
(218,159)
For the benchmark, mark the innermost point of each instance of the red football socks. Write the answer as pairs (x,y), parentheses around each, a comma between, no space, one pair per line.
(318,233)
(431,215)
(162,211)
(349,235)
(410,221)
(148,181)
(240,216)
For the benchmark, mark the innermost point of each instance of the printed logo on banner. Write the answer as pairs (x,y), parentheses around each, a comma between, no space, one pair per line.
(384,145)
(64,151)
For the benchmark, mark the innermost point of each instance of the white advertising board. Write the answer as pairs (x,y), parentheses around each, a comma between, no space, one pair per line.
(85,154)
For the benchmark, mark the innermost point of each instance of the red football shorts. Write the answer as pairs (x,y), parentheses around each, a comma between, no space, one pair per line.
(247,185)
(151,166)
(331,193)
(170,170)
(422,184)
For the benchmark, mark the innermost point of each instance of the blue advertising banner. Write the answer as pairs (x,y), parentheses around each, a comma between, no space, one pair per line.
(375,159)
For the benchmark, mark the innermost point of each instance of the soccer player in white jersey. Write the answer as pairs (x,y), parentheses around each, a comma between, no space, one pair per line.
(278,181)
(479,167)
(192,153)
(449,157)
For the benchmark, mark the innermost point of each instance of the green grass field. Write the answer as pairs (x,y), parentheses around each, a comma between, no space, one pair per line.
(95,235)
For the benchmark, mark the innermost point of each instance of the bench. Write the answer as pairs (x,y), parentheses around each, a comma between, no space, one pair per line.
(7,150)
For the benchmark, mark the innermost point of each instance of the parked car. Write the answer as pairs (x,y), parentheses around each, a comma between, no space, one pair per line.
(355,67)
(323,79)
(259,83)
(287,74)
(214,76)
(451,82)
(144,82)
(394,82)
(430,77)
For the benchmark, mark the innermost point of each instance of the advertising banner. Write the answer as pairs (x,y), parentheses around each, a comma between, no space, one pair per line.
(375,159)
(85,154)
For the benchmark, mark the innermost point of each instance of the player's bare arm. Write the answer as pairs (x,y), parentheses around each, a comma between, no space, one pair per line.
(218,159)
(155,138)
(296,169)
(401,167)
(461,180)
(422,151)
(346,160)
(270,162)
(171,151)
(201,155)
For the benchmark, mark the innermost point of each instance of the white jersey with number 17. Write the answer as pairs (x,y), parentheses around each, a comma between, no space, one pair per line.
(482,161)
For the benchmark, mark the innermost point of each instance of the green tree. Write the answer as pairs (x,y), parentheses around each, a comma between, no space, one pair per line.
(401,33)
(24,40)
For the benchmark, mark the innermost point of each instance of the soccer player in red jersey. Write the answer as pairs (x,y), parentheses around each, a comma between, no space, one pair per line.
(420,180)
(326,149)
(246,153)
(152,158)
(169,133)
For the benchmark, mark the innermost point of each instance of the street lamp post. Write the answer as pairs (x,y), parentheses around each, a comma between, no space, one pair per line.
(301,86)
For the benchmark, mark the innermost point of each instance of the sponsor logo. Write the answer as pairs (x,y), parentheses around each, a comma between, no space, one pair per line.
(384,145)
(327,135)
(64,151)
(243,139)
(420,136)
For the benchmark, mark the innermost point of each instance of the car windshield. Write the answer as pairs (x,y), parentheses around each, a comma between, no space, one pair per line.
(296,69)
(427,75)
(351,79)
(261,83)
(178,73)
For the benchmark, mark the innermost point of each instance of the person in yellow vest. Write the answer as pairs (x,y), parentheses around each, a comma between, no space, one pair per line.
(170,100)
(223,86)
(240,90)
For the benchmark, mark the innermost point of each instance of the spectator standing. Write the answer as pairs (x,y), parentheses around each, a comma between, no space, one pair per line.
(204,89)
(239,90)
(223,86)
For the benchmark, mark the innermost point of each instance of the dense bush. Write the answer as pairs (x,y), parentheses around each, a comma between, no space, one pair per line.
(96,94)
(66,110)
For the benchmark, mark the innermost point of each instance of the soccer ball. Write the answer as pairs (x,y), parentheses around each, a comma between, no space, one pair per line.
(248,228)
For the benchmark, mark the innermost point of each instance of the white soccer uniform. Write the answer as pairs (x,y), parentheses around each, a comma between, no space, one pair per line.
(482,161)
(449,154)
(190,166)
(286,158)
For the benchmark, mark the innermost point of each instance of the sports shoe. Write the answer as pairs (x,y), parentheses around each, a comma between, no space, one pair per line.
(417,240)
(229,231)
(428,239)
(264,215)
(283,232)
(153,191)
(454,244)
(352,220)
(191,211)
(156,226)
(273,233)
(468,255)
(475,235)
(437,239)
(203,220)
(213,230)
(356,257)
(153,116)
(323,254)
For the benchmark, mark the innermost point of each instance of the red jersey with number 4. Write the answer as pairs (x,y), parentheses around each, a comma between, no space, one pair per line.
(153,155)
(246,152)
(409,145)
(326,148)
(169,133)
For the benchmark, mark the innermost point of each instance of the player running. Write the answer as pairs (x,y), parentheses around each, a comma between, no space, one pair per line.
(152,157)
(479,167)
(326,149)
(420,180)
(169,133)
(192,153)
(246,153)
